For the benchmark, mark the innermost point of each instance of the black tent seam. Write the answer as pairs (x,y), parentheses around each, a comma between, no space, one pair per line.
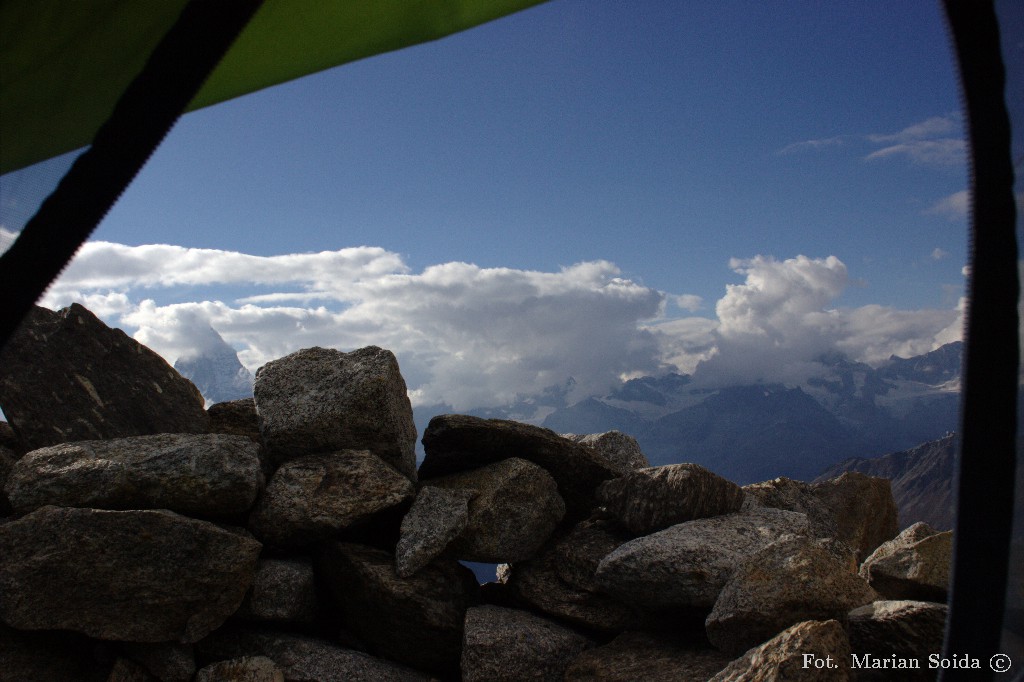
(142,117)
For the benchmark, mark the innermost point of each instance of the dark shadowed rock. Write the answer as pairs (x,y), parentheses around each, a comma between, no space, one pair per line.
(785,493)
(306,658)
(537,583)
(647,656)
(282,590)
(647,500)
(437,516)
(578,554)
(782,657)
(900,629)
(417,620)
(195,474)
(49,657)
(688,564)
(314,497)
(66,376)
(237,418)
(789,581)
(515,508)
(7,460)
(145,576)
(127,670)
(245,669)
(509,644)
(320,400)
(913,565)
(455,442)
(167,661)
(615,446)
(864,509)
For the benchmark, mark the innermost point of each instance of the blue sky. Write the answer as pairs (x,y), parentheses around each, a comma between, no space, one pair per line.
(578,171)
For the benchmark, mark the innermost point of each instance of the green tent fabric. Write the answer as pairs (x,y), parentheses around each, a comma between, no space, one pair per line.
(63,65)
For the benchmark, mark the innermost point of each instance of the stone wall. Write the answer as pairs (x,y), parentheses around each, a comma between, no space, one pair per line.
(292,537)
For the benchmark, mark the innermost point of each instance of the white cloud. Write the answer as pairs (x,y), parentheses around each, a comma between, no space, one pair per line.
(939,254)
(936,142)
(955,207)
(472,336)
(776,325)
(813,145)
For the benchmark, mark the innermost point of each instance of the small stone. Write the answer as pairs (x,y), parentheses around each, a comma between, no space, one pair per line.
(437,516)
(245,669)
(283,590)
(914,565)
(618,448)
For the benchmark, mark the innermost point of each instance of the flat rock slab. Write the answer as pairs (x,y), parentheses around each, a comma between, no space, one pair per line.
(195,474)
(651,499)
(913,565)
(320,399)
(688,564)
(782,657)
(509,644)
(514,509)
(416,620)
(140,576)
(790,581)
(863,507)
(314,497)
(455,443)
(437,516)
(301,657)
(66,376)
(617,447)
(647,656)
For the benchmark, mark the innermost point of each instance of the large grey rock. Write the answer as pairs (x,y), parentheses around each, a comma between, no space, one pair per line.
(313,497)
(66,376)
(812,651)
(437,516)
(863,507)
(417,620)
(244,669)
(647,656)
(617,447)
(49,657)
(903,630)
(320,400)
(647,500)
(515,508)
(538,584)
(785,493)
(789,581)
(459,442)
(504,644)
(913,565)
(144,576)
(688,564)
(283,590)
(301,657)
(196,474)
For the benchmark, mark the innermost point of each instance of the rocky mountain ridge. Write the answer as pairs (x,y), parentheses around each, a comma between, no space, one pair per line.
(292,537)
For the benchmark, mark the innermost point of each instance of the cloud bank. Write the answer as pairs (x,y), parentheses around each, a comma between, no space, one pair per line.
(474,337)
